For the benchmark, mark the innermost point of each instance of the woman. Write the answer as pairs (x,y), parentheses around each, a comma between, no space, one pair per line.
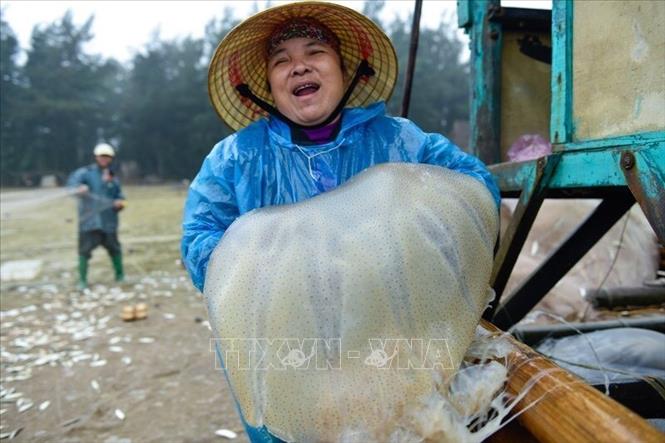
(304,85)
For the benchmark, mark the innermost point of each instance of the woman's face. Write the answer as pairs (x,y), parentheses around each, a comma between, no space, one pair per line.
(306,80)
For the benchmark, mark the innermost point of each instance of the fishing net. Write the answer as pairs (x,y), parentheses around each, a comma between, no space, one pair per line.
(338,317)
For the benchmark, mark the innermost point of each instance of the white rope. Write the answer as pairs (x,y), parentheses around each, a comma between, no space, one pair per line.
(310,157)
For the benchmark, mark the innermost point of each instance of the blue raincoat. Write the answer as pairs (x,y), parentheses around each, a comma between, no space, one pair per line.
(95,209)
(260,166)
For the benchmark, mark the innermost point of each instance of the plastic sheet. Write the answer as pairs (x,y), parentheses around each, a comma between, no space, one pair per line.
(529,147)
(620,354)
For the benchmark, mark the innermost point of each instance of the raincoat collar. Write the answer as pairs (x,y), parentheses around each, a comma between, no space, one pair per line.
(280,133)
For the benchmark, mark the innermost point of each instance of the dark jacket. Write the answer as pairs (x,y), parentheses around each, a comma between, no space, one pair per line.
(95,208)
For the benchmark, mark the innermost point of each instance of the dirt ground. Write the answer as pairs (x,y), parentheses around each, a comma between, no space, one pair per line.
(71,369)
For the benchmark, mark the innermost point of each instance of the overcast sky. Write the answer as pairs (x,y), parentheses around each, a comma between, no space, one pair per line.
(122,27)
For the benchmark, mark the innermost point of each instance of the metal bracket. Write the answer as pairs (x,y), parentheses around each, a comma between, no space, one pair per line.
(645,180)
(531,197)
(561,260)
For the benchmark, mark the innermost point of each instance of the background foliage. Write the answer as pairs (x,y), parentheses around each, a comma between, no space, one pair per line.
(60,101)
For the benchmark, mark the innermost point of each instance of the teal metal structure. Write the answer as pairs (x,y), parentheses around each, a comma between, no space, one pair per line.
(619,170)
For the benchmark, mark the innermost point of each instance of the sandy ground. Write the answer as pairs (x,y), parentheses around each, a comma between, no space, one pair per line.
(71,369)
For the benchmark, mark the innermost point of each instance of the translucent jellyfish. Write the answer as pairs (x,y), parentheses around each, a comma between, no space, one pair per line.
(339,316)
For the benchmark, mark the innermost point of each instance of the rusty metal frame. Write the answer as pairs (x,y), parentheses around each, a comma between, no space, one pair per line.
(619,170)
(644,172)
(561,260)
(531,184)
(620,173)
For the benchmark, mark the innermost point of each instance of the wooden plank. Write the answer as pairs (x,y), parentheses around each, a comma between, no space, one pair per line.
(618,68)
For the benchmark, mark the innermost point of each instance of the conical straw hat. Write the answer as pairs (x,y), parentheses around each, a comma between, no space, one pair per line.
(241,58)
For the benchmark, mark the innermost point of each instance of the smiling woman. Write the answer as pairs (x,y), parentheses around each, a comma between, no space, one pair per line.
(304,84)
(238,78)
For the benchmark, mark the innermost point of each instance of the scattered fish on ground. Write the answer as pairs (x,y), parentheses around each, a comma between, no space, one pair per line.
(226,433)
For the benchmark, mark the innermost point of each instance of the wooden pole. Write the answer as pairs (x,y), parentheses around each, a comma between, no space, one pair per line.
(411,66)
(565,408)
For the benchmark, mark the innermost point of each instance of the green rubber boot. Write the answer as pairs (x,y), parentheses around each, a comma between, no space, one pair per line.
(117,267)
(83,273)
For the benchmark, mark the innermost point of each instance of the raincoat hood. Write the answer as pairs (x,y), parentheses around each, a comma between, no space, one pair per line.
(280,131)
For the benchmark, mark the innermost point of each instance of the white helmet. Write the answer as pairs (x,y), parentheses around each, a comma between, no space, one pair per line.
(104,149)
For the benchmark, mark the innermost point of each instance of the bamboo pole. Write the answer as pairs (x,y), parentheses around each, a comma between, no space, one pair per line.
(565,408)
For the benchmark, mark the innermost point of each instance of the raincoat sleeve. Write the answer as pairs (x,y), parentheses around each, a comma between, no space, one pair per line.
(438,150)
(77,178)
(210,209)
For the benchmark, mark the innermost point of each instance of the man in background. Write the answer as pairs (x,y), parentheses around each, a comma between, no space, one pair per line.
(100,199)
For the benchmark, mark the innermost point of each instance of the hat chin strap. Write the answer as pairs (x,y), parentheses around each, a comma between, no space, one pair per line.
(364,70)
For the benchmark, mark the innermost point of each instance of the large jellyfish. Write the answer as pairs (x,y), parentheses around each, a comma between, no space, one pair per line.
(336,315)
